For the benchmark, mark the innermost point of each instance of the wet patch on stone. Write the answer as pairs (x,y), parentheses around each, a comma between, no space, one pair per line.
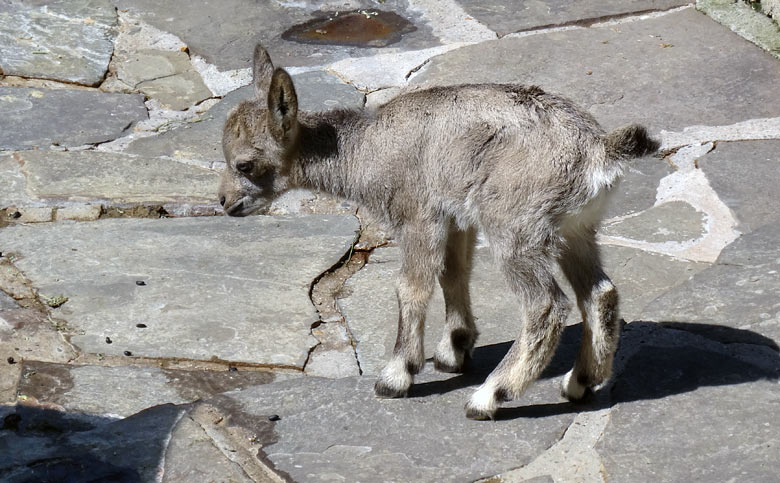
(357,28)
(125,390)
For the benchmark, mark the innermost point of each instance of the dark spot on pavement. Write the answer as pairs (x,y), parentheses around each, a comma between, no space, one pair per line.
(357,28)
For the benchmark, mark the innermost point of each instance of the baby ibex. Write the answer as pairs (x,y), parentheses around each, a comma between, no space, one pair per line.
(529,169)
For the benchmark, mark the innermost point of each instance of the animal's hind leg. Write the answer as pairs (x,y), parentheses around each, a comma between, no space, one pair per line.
(598,302)
(422,248)
(460,334)
(543,308)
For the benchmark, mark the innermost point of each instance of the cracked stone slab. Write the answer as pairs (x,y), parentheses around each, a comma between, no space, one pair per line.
(166,76)
(193,456)
(122,391)
(227,40)
(215,288)
(742,174)
(86,176)
(739,291)
(64,40)
(46,444)
(65,117)
(677,393)
(507,17)
(662,72)
(368,302)
(27,334)
(336,429)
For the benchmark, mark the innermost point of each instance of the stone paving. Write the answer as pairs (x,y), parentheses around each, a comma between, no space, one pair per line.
(144,339)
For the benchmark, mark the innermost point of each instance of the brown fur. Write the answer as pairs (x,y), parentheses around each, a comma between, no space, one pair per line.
(530,169)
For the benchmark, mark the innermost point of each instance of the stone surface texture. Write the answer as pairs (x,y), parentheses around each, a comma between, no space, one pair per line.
(64,40)
(654,72)
(211,285)
(144,339)
(67,117)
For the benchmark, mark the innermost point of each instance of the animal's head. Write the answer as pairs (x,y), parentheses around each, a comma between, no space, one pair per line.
(259,141)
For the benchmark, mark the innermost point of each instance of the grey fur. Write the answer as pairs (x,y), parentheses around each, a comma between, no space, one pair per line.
(530,169)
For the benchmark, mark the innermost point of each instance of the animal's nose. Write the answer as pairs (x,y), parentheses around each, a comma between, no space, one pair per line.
(222,200)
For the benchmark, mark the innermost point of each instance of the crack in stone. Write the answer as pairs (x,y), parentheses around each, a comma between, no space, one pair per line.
(596,22)
(326,288)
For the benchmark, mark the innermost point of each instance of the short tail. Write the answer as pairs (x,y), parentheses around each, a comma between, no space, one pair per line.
(630,142)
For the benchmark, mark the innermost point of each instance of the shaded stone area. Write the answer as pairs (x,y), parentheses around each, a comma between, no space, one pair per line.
(330,429)
(739,291)
(506,18)
(227,40)
(43,444)
(66,117)
(662,72)
(65,40)
(743,174)
(679,393)
(212,288)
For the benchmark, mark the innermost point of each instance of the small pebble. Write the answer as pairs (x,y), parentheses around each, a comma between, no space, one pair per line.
(140,283)
(108,340)
(11,360)
(141,326)
(16,215)
(233,369)
(128,353)
(274,417)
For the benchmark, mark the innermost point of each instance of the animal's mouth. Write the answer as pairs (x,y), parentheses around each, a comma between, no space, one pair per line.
(236,209)
(245,207)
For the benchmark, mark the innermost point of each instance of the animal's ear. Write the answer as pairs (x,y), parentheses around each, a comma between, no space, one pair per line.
(262,70)
(282,107)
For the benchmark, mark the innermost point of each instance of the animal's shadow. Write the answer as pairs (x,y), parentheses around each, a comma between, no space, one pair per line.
(651,363)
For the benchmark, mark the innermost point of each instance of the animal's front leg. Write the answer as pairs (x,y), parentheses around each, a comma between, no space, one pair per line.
(422,262)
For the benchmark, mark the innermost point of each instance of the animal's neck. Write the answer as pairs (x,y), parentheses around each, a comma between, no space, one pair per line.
(325,160)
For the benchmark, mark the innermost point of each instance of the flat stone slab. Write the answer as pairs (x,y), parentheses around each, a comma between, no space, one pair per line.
(371,310)
(507,17)
(679,393)
(42,444)
(65,40)
(89,176)
(336,429)
(227,40)
(122,391)
(661,72)
(215,288)
(674,222)
(65,117)
(739,291)
(742,174)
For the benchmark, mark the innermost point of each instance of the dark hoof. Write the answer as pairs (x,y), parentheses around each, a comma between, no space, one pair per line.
(384,391)
(444,367)
(479,415)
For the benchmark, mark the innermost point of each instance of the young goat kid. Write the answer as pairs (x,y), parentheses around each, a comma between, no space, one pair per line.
(529,169)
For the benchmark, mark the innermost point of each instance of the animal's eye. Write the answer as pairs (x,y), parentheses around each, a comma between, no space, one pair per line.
(244,166)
